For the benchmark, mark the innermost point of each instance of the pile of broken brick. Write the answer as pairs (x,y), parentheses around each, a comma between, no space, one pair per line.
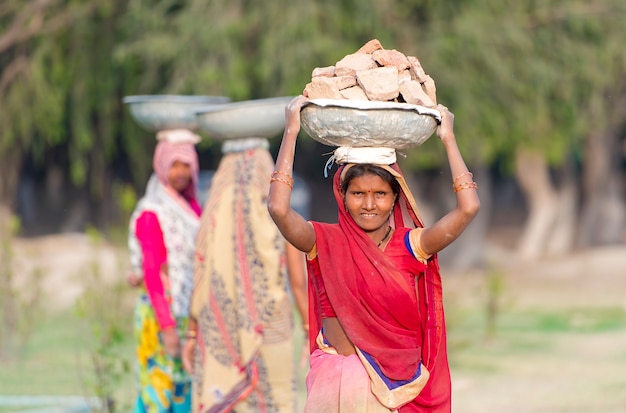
(374,73)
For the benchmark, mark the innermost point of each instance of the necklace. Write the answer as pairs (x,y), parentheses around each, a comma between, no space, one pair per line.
(385,237)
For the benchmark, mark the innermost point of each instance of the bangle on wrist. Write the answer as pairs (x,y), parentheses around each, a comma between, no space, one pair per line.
(468,174)
(284,181)
(284,177)
(466,185)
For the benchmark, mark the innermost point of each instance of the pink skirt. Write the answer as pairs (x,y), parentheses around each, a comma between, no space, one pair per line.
(340,384)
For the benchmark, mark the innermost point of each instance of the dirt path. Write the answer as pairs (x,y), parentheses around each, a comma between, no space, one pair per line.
(63,262)
(567,371)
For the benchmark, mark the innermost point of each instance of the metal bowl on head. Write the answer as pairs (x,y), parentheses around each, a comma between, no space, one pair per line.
(161,112)
(257,118)
(364,123)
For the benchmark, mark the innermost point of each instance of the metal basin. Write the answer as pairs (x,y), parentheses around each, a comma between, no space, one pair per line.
(257,118)
(368,123)
(160,112)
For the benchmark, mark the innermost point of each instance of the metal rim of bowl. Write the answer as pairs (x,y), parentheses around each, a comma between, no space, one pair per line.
(197,99)
(243,104)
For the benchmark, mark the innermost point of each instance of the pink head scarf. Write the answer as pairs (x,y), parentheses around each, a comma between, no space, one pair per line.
(176,145)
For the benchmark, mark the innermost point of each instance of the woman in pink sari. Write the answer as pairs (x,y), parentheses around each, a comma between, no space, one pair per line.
(161,240)
(377,329)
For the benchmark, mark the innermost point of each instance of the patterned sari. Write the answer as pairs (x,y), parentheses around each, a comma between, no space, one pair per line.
(164,386)
(244,354)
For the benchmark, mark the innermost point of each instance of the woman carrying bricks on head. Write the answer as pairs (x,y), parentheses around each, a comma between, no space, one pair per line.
(377,330)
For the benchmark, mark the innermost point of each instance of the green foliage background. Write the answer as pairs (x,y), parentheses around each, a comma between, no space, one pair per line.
(516,73)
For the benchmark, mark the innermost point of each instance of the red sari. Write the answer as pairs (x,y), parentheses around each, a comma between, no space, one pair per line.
(389,303)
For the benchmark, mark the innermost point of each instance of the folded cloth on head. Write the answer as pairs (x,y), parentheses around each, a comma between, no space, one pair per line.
(375,155)
(178,136)
(350,154)
(240,145)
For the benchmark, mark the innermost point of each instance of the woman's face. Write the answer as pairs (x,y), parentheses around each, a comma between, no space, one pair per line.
(369,200)
(179,176)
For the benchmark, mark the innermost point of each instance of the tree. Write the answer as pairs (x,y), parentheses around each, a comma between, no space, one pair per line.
(61,96)
(531,92)
(25,84)
(521,77)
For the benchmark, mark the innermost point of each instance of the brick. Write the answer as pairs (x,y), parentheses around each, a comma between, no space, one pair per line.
(429,87)
(322,88)
(389,58)
(417,72)
(370,47)
(413,93)
(353,63)
(328,71)
(354,93)
(344,82)
(380,83)
(404,76)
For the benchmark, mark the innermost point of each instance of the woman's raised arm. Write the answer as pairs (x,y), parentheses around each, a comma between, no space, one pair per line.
(292,225)
(450,227)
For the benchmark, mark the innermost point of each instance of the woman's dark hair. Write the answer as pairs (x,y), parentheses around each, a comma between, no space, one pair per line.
(362,169)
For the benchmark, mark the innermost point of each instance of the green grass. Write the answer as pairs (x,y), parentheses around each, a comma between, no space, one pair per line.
(57,359)
(57,362)
(469,324)
(526,339)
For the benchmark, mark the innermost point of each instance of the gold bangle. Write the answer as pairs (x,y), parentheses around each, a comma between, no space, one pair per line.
(466,185)
(285,174)
(284,181)
(471,175)
(191,335)
(281,173)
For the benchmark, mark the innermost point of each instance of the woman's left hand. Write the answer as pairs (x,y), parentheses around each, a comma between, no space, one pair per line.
(446,129)
(133,279)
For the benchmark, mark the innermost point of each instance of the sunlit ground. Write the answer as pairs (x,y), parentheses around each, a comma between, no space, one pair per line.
(547,337)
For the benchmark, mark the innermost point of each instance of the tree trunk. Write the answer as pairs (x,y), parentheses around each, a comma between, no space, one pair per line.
(561,240)
(8,310)
(533,177)
(9,179)
(603,215)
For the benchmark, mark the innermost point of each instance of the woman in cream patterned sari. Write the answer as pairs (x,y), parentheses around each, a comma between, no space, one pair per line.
(241,312)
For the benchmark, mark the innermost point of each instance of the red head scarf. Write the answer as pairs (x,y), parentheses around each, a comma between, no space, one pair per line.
(355,271)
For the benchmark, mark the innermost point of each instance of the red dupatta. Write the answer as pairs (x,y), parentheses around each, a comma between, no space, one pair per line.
(355,272)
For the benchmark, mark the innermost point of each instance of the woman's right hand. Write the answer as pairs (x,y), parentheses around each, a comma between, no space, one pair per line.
(187,355)
(292,225)
(292,113)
